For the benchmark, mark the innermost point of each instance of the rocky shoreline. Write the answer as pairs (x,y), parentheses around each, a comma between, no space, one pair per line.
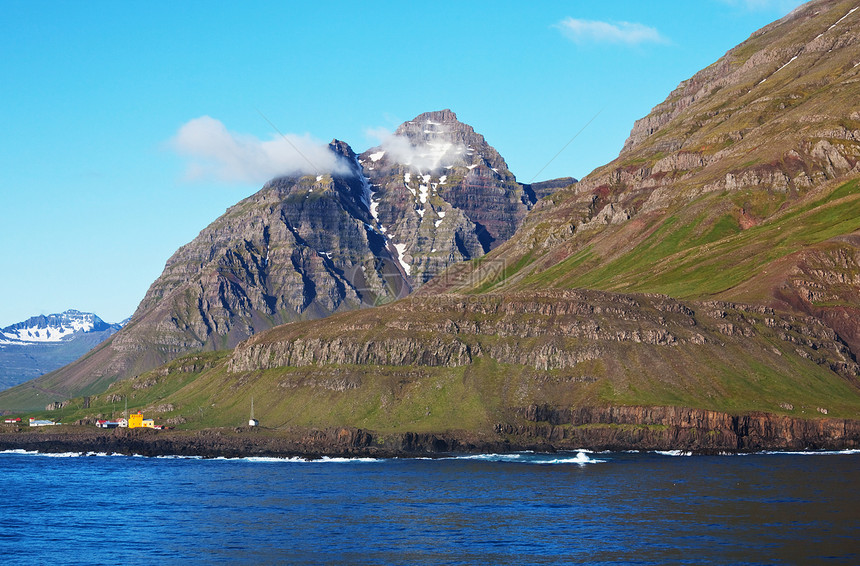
(542,429)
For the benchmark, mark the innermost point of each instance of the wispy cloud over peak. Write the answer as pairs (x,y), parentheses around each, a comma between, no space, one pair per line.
(428,155)
(623,33)
(215,153)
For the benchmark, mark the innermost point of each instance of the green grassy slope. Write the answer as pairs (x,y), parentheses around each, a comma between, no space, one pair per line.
(691,253)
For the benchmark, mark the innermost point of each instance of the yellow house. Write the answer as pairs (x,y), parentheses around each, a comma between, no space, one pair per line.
(135,420)
(148,423)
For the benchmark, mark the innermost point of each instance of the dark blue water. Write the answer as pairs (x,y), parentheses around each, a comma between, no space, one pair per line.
(520,509)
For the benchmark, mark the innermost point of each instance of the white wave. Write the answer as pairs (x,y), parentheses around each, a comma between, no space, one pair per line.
(347,460)
(294,459)
(272,459)
(63,454)
(60,454)
(256,459)
(261,459)
(581,458)
(765,452)
(811,452)
(491,457)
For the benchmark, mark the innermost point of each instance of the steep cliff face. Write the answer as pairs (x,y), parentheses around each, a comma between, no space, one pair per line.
(305,247)
(442,194)
(562,329)
(676,428)
(300,248)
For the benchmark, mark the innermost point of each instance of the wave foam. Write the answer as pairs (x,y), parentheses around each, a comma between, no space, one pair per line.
(581,458)
(812,452)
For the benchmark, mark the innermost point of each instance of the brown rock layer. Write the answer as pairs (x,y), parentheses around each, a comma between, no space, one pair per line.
(563,329)
(678,428)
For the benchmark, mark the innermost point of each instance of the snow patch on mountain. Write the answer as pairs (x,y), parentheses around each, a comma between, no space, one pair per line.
(401,252)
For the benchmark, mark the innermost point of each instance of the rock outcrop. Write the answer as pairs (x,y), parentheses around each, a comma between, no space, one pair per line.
(676,428)
(563,329)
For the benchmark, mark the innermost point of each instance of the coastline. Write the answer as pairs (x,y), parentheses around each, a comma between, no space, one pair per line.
(539,429)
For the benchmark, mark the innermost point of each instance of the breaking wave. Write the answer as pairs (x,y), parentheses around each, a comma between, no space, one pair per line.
(23,452)
(812,452)
(581,457)
(673,452)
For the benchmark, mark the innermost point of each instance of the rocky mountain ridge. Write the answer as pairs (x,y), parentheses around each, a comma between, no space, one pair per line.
(304,247)
(574,346)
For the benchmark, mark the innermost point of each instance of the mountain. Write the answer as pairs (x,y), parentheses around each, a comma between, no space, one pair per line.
(741,186)
(433,194)
(700,291)
(43,343)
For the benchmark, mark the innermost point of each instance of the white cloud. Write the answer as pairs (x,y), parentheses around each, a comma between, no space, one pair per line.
(434,154)
(215,153)
(591,31)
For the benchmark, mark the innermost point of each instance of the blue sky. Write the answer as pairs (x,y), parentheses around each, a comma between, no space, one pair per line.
(96,193)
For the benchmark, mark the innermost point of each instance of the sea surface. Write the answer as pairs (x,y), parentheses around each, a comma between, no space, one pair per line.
(578,507)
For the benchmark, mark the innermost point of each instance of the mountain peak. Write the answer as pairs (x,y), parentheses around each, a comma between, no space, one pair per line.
(439,124)
(445,116)
(343,149)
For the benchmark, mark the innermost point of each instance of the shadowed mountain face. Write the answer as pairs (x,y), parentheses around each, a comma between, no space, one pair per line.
(442,194)
(305,247)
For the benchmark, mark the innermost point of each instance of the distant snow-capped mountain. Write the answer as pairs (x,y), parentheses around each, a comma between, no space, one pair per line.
(53,327)
(44,343)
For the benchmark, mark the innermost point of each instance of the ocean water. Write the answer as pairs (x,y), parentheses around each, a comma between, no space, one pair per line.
(580,507)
